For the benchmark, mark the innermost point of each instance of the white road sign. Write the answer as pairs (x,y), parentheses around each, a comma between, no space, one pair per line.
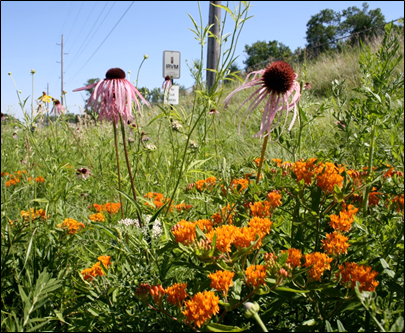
(171,64)
(172,96)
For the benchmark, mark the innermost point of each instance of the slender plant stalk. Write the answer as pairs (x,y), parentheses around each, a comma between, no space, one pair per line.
(370,169)
(118,167)
(266,138)
(129,167)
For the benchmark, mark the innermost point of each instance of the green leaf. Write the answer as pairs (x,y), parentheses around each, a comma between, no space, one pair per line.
(328,326)
(386,267)
(340,326)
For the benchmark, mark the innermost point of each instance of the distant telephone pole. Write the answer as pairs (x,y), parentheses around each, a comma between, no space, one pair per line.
(61,75)
(213,45)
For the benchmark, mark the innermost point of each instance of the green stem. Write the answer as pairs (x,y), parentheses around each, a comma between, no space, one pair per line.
(370,169)
(118,167)
(266,138)
(129,168)
(260,322)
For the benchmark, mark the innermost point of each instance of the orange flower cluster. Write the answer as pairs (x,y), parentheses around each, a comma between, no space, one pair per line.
(255,275)
(225,237)
(206,184)
(183,206)
(274,198)
(257,161)
(176,294)
(373,198)
(278,161)
(243,237)
(351,273)
(184,232)
(205,225)
(319,262)
(261,209)
(305,170)
(221,280)
(242,182)
(329,176)
(97,217)
(72,225)
(96,270)
(158,199)
(344,220)
(219,218)
(33,214)
(261,226)
(294,257)
(201,307)
(39,179)
(398,202)
(109,207)
(335,243)
(157,293)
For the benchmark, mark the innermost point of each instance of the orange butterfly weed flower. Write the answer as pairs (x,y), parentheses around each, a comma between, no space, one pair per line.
(294,257)
(184,232)
(398,202)
(278,161)
(223,216)
(221,280)
(225,237)
(260,225)
(255,275)
(183,206)
(106,260)
(257,161)
(261,209)
(33,214)
(157,293)
(176,294)
(112,208)
(242,182)
(97,217)
(201,307)
(335,243)
(205,184)
(71,225)
(305,170)
(319,262)
(352,272)
(329,176)
(344,220)
(373,198)
(205,225)
(274,198)
(243,237)
(39,179)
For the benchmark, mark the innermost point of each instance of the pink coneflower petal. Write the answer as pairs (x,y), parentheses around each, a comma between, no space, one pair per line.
(277,83)
(112,97)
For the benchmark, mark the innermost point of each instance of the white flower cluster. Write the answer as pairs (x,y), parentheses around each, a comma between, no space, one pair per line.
(193,145)
(128,222)
(150,146)
(176,126)
(157,229)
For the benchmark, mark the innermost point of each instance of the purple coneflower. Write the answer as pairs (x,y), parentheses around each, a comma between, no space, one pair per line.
(15,136)
(57,107)
(167,84)
(307,86)
(278,85)
(83,173)
(213,111)
(112,97)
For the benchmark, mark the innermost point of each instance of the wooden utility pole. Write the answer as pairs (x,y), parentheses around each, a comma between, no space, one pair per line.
(213,45)
(61,74)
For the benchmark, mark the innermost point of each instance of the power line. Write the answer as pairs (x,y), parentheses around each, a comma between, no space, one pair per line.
(105,38)
(74,22)
(77,55)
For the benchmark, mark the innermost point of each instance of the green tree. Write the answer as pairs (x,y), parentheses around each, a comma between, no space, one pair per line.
(263,51)
(364,23)
(322,30)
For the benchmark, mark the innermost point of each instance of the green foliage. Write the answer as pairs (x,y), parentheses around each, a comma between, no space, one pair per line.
(43,287)
(260,52)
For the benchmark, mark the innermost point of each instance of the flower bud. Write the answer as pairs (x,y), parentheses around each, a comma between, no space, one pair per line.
(251,309)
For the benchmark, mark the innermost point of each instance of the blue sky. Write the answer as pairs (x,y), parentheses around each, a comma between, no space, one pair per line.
(30,31)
